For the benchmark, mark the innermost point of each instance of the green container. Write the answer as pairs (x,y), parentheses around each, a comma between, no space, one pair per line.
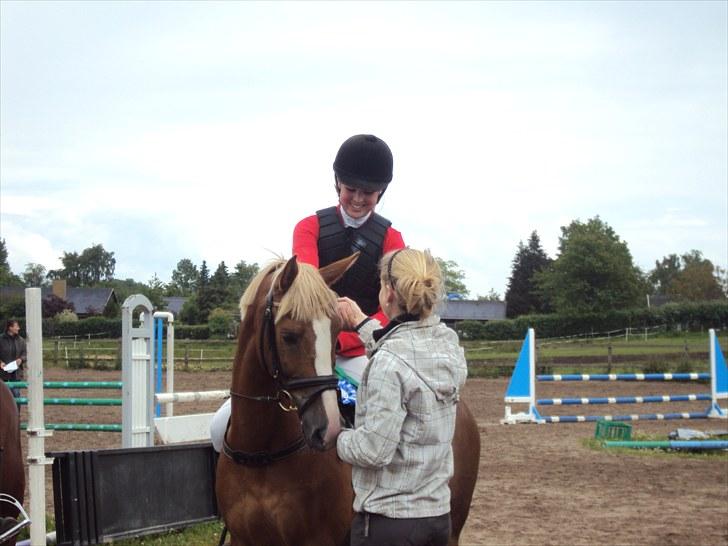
(609,430)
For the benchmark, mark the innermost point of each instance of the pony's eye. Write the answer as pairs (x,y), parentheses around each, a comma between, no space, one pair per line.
(290,338)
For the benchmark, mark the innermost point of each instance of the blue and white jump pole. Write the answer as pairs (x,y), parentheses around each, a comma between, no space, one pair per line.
(522,390)
(159,318)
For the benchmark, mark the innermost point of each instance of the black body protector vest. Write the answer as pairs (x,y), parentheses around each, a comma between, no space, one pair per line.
(361,281)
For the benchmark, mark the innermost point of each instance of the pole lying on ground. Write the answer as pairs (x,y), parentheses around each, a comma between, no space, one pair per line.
(669,444)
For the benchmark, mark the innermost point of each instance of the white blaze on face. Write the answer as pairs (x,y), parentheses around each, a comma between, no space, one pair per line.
(322,331)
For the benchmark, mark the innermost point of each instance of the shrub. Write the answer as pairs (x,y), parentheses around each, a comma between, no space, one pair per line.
(220,322)
(66,316)
(12,307)
(52,305)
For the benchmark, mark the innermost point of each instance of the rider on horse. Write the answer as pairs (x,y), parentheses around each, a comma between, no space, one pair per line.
(362,173)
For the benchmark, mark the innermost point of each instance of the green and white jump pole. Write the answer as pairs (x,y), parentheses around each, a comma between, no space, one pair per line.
(522,390)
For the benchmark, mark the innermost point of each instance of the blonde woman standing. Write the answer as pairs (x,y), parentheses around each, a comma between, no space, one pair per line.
(401,448)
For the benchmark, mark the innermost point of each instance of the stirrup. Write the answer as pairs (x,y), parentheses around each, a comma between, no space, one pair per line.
(20,525)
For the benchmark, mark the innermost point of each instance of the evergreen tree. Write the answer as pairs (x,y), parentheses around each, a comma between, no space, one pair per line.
(203,297)
(7,277)
(154,290)
(220,286)
(522,295)
(240,278)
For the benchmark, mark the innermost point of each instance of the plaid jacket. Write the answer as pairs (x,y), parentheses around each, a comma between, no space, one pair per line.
(401,449)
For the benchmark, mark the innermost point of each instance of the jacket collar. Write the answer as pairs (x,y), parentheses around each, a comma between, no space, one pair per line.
(406,321)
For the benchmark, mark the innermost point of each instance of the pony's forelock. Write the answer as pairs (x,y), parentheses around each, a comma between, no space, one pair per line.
(248,297)
(307,299)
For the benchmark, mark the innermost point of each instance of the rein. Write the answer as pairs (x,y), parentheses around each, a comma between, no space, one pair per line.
(283,395)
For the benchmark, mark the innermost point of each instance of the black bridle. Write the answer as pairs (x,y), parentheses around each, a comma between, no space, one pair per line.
(284,385)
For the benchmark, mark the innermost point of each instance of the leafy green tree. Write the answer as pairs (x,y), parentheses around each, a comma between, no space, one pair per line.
(593,272)
(240,278)
(127,287)
(184,279)
(34,275)
(154,290)
(522,295)
(722,275)
(190,312)
(490,296)
(7,277)
(89,268)
(698,280)
(12,307)
(453,276)
(688,277)
(663,274)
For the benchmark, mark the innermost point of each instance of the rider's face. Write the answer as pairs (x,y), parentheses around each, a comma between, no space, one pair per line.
(356,202)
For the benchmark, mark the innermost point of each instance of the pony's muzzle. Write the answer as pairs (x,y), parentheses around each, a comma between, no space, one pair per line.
(322,422)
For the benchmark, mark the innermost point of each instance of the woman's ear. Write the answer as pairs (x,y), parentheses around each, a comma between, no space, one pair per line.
(390,295)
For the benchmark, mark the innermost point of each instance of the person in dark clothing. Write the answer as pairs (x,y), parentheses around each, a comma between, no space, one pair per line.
(13,355)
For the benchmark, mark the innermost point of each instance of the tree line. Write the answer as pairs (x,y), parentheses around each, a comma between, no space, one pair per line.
(206,292)
(594,272)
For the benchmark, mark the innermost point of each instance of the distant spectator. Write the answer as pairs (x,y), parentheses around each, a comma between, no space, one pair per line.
(13,355)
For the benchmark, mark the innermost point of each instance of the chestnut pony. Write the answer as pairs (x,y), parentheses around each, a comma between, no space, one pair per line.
(12,476)
(279,481)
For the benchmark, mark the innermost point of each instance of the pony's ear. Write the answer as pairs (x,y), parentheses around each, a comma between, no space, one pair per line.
(286,277)
(334,271)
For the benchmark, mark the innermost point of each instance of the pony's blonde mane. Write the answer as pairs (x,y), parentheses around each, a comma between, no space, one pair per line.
(307,299)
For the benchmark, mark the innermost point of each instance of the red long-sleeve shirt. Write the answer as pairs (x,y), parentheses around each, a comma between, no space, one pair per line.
(305,247)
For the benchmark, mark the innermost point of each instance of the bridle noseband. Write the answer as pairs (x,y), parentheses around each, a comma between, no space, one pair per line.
(284,386)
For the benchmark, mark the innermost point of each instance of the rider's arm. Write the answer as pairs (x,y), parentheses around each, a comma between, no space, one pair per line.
(305,240)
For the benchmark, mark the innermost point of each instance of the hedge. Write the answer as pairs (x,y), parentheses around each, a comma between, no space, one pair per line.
(674,317)
(101,327)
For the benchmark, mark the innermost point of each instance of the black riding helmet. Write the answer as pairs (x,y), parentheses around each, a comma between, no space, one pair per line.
(365,162)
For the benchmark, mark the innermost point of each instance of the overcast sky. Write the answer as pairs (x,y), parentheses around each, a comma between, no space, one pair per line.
(206,130)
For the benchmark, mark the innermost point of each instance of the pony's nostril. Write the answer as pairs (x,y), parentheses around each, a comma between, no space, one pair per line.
(320,436)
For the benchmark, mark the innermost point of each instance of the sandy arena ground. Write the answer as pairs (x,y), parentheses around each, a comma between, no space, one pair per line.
(538,484)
